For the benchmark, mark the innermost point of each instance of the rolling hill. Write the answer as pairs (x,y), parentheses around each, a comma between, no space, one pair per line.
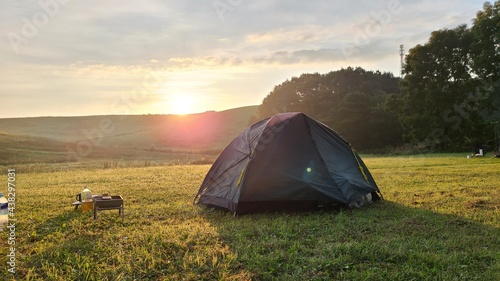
(15,149)
(61,139)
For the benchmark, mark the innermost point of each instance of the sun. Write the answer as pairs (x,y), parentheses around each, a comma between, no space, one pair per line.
(181,104)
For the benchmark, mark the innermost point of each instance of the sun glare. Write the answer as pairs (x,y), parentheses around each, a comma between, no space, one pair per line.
(181,104)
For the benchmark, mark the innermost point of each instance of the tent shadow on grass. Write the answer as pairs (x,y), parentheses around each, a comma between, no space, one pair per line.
(382,241)
(71,256)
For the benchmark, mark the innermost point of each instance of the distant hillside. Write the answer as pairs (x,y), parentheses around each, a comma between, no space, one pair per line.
(51,139)
(16,149)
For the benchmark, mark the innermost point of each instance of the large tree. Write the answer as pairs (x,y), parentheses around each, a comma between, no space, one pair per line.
(486,45)
(448,97)
(485,57)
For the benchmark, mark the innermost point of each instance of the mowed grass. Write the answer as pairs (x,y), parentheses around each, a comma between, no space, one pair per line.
(439,221)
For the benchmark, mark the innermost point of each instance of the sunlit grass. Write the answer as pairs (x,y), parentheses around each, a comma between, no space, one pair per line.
(439,221)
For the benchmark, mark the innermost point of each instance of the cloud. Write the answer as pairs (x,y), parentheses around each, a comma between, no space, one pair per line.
(299,35)
(123,33)
(91,53)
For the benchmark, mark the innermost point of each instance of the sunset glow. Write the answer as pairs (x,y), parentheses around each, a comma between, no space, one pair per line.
(181,104)
(75,58)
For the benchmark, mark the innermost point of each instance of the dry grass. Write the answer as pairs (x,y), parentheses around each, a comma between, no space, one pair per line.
(439,221)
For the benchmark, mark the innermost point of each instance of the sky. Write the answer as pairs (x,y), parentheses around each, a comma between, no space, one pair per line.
(80,58)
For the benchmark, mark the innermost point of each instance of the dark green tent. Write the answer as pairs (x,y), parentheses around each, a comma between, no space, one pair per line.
(288,161)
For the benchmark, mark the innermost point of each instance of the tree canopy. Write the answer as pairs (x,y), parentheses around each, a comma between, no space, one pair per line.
(349,100)
(451,83)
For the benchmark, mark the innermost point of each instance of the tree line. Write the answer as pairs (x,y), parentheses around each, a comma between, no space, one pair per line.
(447,100)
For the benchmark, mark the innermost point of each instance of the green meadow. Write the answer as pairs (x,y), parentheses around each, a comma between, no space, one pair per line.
(439,220)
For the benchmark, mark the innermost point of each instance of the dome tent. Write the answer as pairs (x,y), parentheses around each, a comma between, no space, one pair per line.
(288,161)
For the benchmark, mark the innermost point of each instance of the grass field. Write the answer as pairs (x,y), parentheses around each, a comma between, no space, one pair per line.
(440,220)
